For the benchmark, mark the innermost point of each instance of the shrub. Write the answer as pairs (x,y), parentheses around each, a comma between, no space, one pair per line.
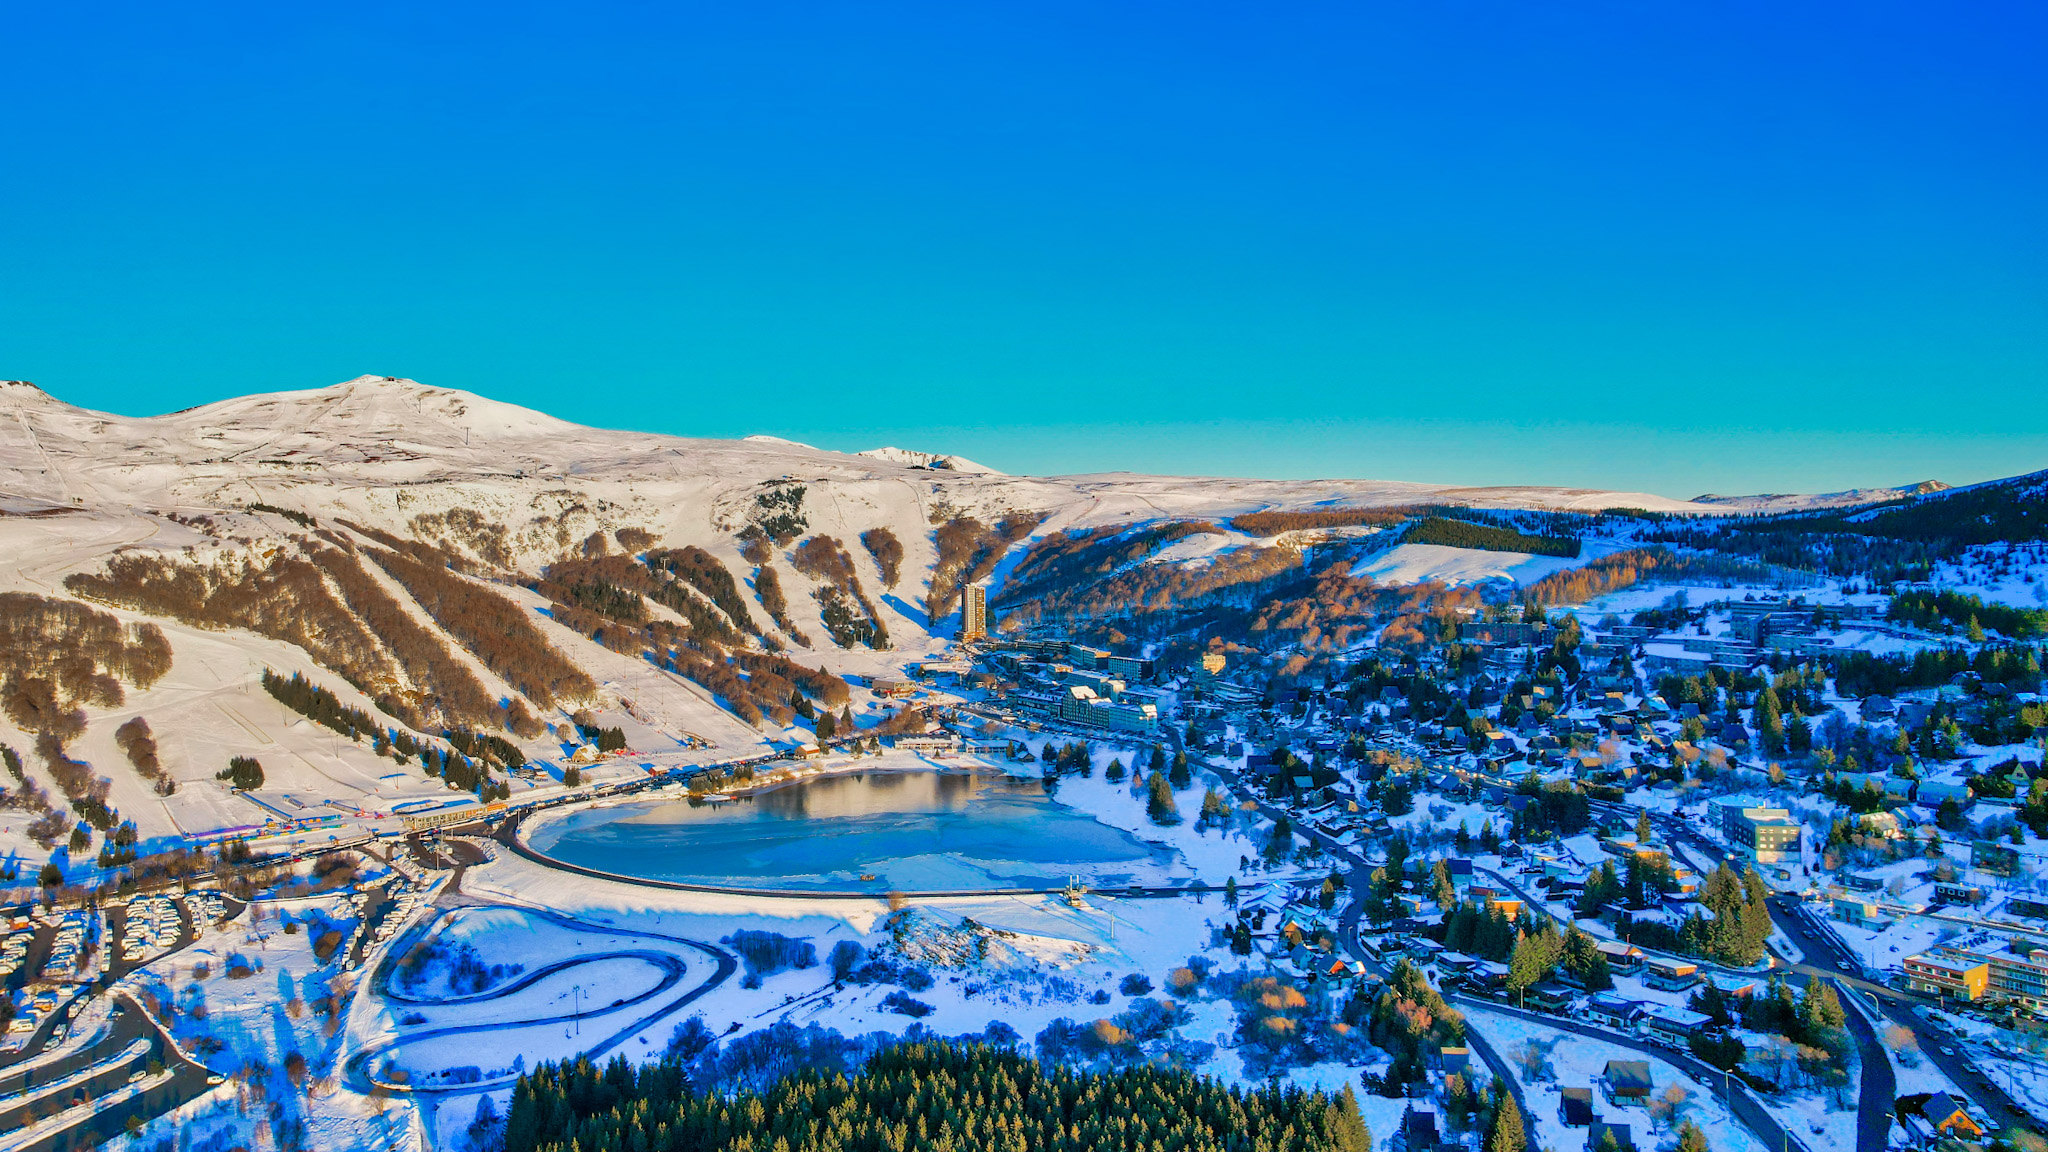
(844,958)
(904,1005)
(766,953)
(325,944)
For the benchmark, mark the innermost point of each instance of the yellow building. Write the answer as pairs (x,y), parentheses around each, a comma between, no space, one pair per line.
(1948,975)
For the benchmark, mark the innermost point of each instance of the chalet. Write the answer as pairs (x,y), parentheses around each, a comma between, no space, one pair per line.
(1461,873)
(1671,1026)
(937,742)
(1547,997)
(1575,1107)
(1598,1137)
(1626,1082)
(1951,893)
(1731,986)
(1418,1131)
(1453,1060)
(1623,959)
(1613,1011)
(1343,971)
(1947,1117)
(1862,913)
(1488,976)
(1670,975)
(1931,793)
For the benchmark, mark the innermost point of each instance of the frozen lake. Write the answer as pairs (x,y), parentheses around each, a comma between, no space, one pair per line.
(889,831)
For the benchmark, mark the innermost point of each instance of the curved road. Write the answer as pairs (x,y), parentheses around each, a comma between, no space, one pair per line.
(358,1065)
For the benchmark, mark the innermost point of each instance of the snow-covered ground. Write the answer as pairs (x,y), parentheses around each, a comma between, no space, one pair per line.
(1420,563)
(1886,947)
(254,1001)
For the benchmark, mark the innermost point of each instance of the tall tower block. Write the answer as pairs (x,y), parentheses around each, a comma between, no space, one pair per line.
(974,611)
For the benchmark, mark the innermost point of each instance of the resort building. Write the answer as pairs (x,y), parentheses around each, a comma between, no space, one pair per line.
(1987,965)
(1768,835)
(1080,705)
(974,611)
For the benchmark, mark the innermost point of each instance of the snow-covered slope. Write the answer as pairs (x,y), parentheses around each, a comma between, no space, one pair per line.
(267,482)
(929,460)
(357,441)
(1853,498)
(1420,563)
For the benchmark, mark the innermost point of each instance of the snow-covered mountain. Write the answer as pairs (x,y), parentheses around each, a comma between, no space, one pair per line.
(929,460)
(443,561)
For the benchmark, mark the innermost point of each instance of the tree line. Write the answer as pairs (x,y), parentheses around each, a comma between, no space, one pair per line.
(927,1094)
(824,558)
(968,550)
(1489,537)
(138,743)
(1925,609)
(1065,559)
(1872,673)
(887,550)
(497,630)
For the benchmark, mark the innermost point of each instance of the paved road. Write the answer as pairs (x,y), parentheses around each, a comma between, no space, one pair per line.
(1753,1115)
(187,1082)
(1935,1042)
(1878,1086)
(1356,879)
(1826,957)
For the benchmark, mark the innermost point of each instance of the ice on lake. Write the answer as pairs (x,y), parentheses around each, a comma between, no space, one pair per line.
(908,831)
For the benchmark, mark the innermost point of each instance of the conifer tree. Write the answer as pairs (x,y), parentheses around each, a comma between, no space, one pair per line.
(1441,889)
(1160,805)
(1281,844)
(1507,1134)
(1768,720)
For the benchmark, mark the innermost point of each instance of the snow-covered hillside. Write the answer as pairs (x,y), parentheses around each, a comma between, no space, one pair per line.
(1770,503)
(284,532)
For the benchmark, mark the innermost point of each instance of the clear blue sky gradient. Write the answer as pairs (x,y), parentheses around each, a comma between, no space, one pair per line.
(1674,247)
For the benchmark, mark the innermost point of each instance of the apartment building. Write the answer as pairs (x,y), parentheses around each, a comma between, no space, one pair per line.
(1984,965)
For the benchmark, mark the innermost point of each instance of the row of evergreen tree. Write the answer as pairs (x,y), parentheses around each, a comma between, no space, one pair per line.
(467,768)
(1490,538)
(926,1095)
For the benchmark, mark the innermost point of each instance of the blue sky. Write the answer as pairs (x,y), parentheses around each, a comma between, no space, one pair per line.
(1675,247)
